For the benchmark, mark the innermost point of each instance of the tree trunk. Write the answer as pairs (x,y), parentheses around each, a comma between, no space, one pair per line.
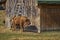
(7,22)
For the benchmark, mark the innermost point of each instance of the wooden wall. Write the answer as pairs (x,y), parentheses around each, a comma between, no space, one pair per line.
(50,17)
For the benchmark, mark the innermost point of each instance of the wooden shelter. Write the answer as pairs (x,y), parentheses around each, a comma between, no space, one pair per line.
(49,14)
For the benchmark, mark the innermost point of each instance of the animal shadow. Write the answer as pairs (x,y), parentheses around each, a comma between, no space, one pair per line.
(30,28)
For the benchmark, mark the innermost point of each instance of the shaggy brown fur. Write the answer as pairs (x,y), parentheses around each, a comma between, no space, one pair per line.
(20,21)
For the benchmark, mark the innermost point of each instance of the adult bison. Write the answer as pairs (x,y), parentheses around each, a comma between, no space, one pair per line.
(20,22)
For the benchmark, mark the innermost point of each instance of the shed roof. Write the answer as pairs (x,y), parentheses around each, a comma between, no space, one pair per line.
(49,1)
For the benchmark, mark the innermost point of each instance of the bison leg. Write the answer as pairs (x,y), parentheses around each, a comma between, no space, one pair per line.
(21,26)
(17,26)
(13,27)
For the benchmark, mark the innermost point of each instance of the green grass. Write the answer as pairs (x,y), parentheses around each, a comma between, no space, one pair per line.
(31,36)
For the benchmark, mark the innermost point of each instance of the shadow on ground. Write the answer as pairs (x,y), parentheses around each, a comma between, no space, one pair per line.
(30,28)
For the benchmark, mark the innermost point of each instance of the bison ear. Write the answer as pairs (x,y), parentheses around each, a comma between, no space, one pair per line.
(27,20)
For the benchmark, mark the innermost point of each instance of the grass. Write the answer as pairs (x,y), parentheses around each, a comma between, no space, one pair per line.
(30,36)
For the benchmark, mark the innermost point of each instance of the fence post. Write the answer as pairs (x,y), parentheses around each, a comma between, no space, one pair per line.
(37,20)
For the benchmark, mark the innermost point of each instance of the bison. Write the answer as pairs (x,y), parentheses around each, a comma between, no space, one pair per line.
(20,22)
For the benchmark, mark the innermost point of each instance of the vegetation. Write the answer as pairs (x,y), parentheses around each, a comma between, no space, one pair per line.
(2,16)
(30,36)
